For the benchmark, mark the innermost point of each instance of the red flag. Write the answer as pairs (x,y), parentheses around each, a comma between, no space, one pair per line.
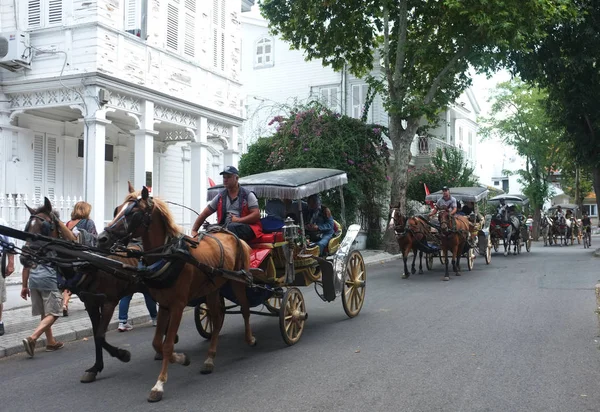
(428,202)
(211,182)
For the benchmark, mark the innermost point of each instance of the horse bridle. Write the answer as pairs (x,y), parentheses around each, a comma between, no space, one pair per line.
(396,224)
(138,218)
(48,226)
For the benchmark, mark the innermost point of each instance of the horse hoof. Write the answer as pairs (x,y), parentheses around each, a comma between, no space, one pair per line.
(124,356)
(421,271)
(155,396)
(458,274)
(158,356)
(186,360)
(88,377)
(413,271)
(446,278)
(252,342)
(207,368)
(505,253)
(405,276)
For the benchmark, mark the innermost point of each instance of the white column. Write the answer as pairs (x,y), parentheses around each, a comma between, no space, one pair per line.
(199,177)
(143,157)
(94,137)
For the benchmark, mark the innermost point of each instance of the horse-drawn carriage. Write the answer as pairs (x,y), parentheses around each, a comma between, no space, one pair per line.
(481,244)
(509,224)
(563,231)
(286,260)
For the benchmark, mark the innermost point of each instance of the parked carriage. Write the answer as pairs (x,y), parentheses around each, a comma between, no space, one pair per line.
(286,261)
(483,245)
(573,231)
(497,226)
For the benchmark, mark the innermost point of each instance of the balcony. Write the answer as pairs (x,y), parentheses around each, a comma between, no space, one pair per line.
(423,149)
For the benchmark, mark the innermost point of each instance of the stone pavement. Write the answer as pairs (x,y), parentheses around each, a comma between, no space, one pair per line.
(19,323)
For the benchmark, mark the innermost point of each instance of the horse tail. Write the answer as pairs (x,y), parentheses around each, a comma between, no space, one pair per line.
(243,261)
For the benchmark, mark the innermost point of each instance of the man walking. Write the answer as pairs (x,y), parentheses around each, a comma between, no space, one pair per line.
(10,268)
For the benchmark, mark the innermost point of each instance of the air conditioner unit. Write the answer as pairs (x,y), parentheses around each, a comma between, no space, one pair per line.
(15,52)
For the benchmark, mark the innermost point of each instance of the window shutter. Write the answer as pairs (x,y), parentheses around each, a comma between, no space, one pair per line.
(133,16)
(172,26)
(219,25)
(189,40)
(50,166)
(38,165)
(55,12)
(34,13)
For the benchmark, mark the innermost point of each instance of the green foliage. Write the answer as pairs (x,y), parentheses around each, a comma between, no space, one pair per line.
(426,48)
(313,136)
(568,182)
(519,119)
(449,168)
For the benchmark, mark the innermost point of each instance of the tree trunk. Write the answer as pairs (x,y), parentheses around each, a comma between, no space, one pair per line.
(596,181)
(401,141)
(537,217)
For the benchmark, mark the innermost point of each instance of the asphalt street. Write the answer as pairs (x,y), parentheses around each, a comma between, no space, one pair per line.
(517,335)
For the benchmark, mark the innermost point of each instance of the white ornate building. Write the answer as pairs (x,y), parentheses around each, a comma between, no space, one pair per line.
(106,91)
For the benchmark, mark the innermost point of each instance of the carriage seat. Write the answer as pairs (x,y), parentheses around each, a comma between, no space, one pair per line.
(334,242)
(266,240)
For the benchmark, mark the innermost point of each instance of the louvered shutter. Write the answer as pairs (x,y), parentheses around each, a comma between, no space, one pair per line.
(189,37)
(219,27)
(34,13)
(38,165)
(133,17)
(55,12)
(50,167)
(173,25)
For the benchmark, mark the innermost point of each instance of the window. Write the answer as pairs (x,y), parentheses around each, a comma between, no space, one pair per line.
(496,183)
(180,35)
(328,96)
(264,53)
(470,143)
(359,99)
(108,151)
(505,185)
(133,17)
(590,210)
(44,13)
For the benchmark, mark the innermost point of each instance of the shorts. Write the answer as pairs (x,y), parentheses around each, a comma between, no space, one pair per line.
(2,290)
(46,302)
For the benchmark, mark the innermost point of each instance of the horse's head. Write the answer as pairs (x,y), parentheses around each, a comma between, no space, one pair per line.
(132,219)
(42,221)
(444,219)
(395,218)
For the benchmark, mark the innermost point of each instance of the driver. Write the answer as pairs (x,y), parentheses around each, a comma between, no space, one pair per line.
(237,208)
(446,202)
(559,216)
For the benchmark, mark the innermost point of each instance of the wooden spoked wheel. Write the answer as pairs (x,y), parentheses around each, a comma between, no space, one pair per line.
(202,320)
(355,281)
(429,261)
(292,316)
(273,304)
(470,258)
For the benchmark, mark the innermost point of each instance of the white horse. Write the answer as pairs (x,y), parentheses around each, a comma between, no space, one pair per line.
(545,225)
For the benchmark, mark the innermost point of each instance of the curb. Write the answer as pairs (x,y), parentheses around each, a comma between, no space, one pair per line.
(381,261)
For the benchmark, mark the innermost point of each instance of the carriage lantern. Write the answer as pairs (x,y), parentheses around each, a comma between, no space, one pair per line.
(290,230)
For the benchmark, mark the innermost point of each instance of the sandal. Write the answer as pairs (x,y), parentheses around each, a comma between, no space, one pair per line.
(29,345)
(51,348)
(65,311)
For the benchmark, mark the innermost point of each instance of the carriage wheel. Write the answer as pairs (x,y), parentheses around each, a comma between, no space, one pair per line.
(292,316)
(203,322)
(273,304)
(488,253)
(355,280)
(528,245)
(470,258)
(429,261)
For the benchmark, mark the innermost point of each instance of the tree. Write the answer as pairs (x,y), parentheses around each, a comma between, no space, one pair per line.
(519,118)
(449,168)
(426,47)
(576,181)
(314,136)
(565,62)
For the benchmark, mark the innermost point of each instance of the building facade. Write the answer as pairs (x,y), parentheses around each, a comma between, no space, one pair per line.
(112,91)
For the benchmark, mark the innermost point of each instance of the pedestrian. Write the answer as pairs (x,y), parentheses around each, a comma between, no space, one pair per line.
(80,221)
(10,268)
(39,282)
(124,325)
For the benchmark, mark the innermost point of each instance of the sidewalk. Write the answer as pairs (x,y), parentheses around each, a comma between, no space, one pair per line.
(19,323)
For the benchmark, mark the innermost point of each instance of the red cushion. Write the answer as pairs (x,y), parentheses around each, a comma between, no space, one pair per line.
(257,256)
(268,238)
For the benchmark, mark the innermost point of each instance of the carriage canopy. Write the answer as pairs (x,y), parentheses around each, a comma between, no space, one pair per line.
(566,206)
(462,194)
(510,198)
(289,183)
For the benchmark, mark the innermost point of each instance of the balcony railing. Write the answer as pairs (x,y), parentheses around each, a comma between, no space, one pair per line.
(427,146)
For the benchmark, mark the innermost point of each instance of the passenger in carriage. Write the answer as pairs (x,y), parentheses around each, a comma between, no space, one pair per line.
(236,207)
(318,222)
(559,215)
(277,211)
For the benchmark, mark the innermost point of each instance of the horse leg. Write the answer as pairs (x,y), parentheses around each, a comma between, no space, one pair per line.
(169,356)
(456,254)
(239,289)
(162,320)
(420,262)
(506,247)
(106,316)
(213,302)
(413,270)
(446,277)
(405,260)
(93,311)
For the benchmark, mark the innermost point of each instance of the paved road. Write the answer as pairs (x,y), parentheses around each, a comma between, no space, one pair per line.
(518,335)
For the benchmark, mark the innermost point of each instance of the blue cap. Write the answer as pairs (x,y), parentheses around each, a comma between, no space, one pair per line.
(230,170)
(445,188)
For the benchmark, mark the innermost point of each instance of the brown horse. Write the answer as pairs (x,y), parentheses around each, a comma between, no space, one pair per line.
(98,290)
(148,218)
(453,239)
(408,234)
